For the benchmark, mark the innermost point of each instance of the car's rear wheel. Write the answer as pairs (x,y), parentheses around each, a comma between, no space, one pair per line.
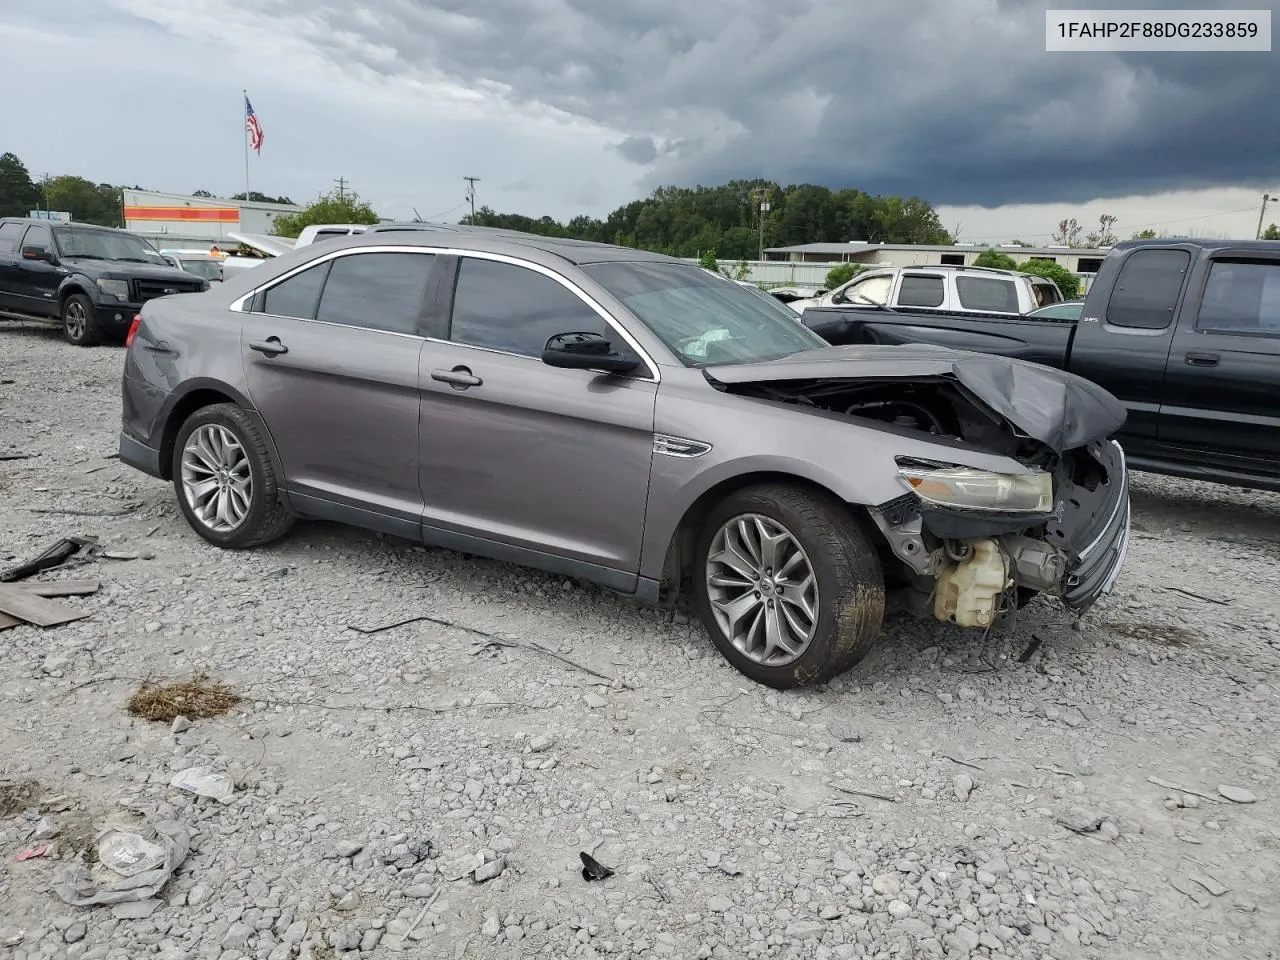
(225,480)
(788,585)
(80,324)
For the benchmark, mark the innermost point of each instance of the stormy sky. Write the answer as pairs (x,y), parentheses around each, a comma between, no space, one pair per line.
(567,106)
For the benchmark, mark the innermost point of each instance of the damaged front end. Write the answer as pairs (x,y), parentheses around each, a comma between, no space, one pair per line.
(973,545)
(967,561)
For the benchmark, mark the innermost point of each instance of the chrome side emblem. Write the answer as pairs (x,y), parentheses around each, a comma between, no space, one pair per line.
(679,446)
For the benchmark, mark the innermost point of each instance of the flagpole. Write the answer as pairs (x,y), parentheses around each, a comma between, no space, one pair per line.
(244,134)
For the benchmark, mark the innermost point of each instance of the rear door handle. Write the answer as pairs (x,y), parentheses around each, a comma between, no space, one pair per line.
(271,346)
(459,377)
(1203,359)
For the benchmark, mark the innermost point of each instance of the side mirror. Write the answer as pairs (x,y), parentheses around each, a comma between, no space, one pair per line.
(585,351)
(37,253)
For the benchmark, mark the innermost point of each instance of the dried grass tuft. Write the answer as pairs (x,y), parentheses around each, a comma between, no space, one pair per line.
(196,699)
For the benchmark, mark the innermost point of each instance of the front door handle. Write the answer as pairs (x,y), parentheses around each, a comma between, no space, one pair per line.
(459,377)
(1203,359)
(271,346)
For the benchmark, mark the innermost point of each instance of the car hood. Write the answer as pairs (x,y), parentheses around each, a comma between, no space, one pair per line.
(1061,410)
(123,270)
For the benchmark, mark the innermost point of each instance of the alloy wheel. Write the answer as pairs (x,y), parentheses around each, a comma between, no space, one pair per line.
(216,479)
(762,588)
(76,320)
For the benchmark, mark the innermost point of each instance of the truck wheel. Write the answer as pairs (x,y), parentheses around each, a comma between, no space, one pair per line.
(788,585)
(225,481)
(79,322)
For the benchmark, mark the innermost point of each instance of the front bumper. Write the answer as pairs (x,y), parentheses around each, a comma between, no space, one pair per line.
(115,316)
(1097,567)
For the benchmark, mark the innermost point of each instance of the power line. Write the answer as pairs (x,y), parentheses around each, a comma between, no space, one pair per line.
(437,216)
(342,187)
(1160,223)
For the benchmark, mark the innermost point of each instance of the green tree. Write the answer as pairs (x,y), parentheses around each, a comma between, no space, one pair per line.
(18,193)
(330,208)
(1068,233)
(995,259)
(1271,233)
(1147,234)
(1104,236)
(86,201)
(1066,281)
(253,196)
(708,261)
(838,276)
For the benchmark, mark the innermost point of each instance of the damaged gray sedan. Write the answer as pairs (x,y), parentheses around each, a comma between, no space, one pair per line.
(632,420)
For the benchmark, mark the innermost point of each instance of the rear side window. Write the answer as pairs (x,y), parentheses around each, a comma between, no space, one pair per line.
(9,235)
(1241,298)
(517,310)
(921,290)
(1146,291)
(377,291)
(987,293)
(297,296)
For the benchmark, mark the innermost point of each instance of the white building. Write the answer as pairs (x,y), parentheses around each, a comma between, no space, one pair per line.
(186,222)
(1084,260)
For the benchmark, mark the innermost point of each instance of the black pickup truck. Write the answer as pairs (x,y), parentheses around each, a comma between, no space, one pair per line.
(89,280)
(1185,332)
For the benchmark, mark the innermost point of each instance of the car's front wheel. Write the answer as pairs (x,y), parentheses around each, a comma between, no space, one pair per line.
(225,480)
(80,324)
(788,585)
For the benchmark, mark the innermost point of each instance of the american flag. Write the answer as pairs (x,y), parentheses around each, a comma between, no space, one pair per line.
(252,125)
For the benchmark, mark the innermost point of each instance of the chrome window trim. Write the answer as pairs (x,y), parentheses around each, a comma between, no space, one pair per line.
(240,304)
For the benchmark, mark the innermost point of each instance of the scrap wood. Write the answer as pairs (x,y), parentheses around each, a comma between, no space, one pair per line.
(36,610)
(1173,786)
(1187,889)
(965,763)
(494,639)
(59,588)
(18,456)
(64,551)
(63,511)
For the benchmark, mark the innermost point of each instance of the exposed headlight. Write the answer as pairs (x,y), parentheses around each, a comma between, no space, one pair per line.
(968,489)
(115,288)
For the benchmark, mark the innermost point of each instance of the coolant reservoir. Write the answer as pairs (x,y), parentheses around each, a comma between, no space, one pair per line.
(969,592)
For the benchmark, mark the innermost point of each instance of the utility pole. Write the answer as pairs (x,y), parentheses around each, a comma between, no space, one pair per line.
(471,193)
(761,196)
(342,187)
(1266,198)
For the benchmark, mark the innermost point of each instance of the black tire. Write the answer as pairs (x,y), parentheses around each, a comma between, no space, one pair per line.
(267,519)
(851,589)
(80,325)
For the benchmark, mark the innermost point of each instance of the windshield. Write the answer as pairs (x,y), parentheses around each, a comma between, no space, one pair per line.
(702,318)
(102,245)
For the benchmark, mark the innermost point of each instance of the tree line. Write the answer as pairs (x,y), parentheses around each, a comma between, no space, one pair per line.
(725,221)
(86,201)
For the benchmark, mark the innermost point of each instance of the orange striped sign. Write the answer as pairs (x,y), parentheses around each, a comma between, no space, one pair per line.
(187,214)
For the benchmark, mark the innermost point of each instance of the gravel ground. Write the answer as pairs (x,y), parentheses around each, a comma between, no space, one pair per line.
(424,791)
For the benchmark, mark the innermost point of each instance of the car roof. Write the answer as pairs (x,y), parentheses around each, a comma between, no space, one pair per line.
(498,240)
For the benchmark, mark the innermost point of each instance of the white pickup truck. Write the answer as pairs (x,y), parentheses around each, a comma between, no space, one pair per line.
(954,289)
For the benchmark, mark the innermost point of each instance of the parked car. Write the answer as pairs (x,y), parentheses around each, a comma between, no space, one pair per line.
(632,420)
(951,289)
(89,280)
(195,262)
(1186,333)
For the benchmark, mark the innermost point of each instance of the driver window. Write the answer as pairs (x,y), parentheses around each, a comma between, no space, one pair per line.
(874,289)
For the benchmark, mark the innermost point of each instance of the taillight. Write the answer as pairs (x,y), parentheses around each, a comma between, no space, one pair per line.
(133,330)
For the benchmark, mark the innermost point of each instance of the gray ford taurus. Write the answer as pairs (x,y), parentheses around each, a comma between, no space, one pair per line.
(632,420)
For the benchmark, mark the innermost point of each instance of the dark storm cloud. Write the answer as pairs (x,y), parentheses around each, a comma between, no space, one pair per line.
(957,101)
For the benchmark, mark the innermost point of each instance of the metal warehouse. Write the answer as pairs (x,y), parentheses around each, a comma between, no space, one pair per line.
(177,220)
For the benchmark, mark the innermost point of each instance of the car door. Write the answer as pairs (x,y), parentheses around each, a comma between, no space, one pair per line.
(330,357)
(533,459)
(11,232)
(1222,388)
(36,289)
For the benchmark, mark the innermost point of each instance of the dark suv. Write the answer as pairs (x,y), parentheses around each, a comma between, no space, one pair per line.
(90,280)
